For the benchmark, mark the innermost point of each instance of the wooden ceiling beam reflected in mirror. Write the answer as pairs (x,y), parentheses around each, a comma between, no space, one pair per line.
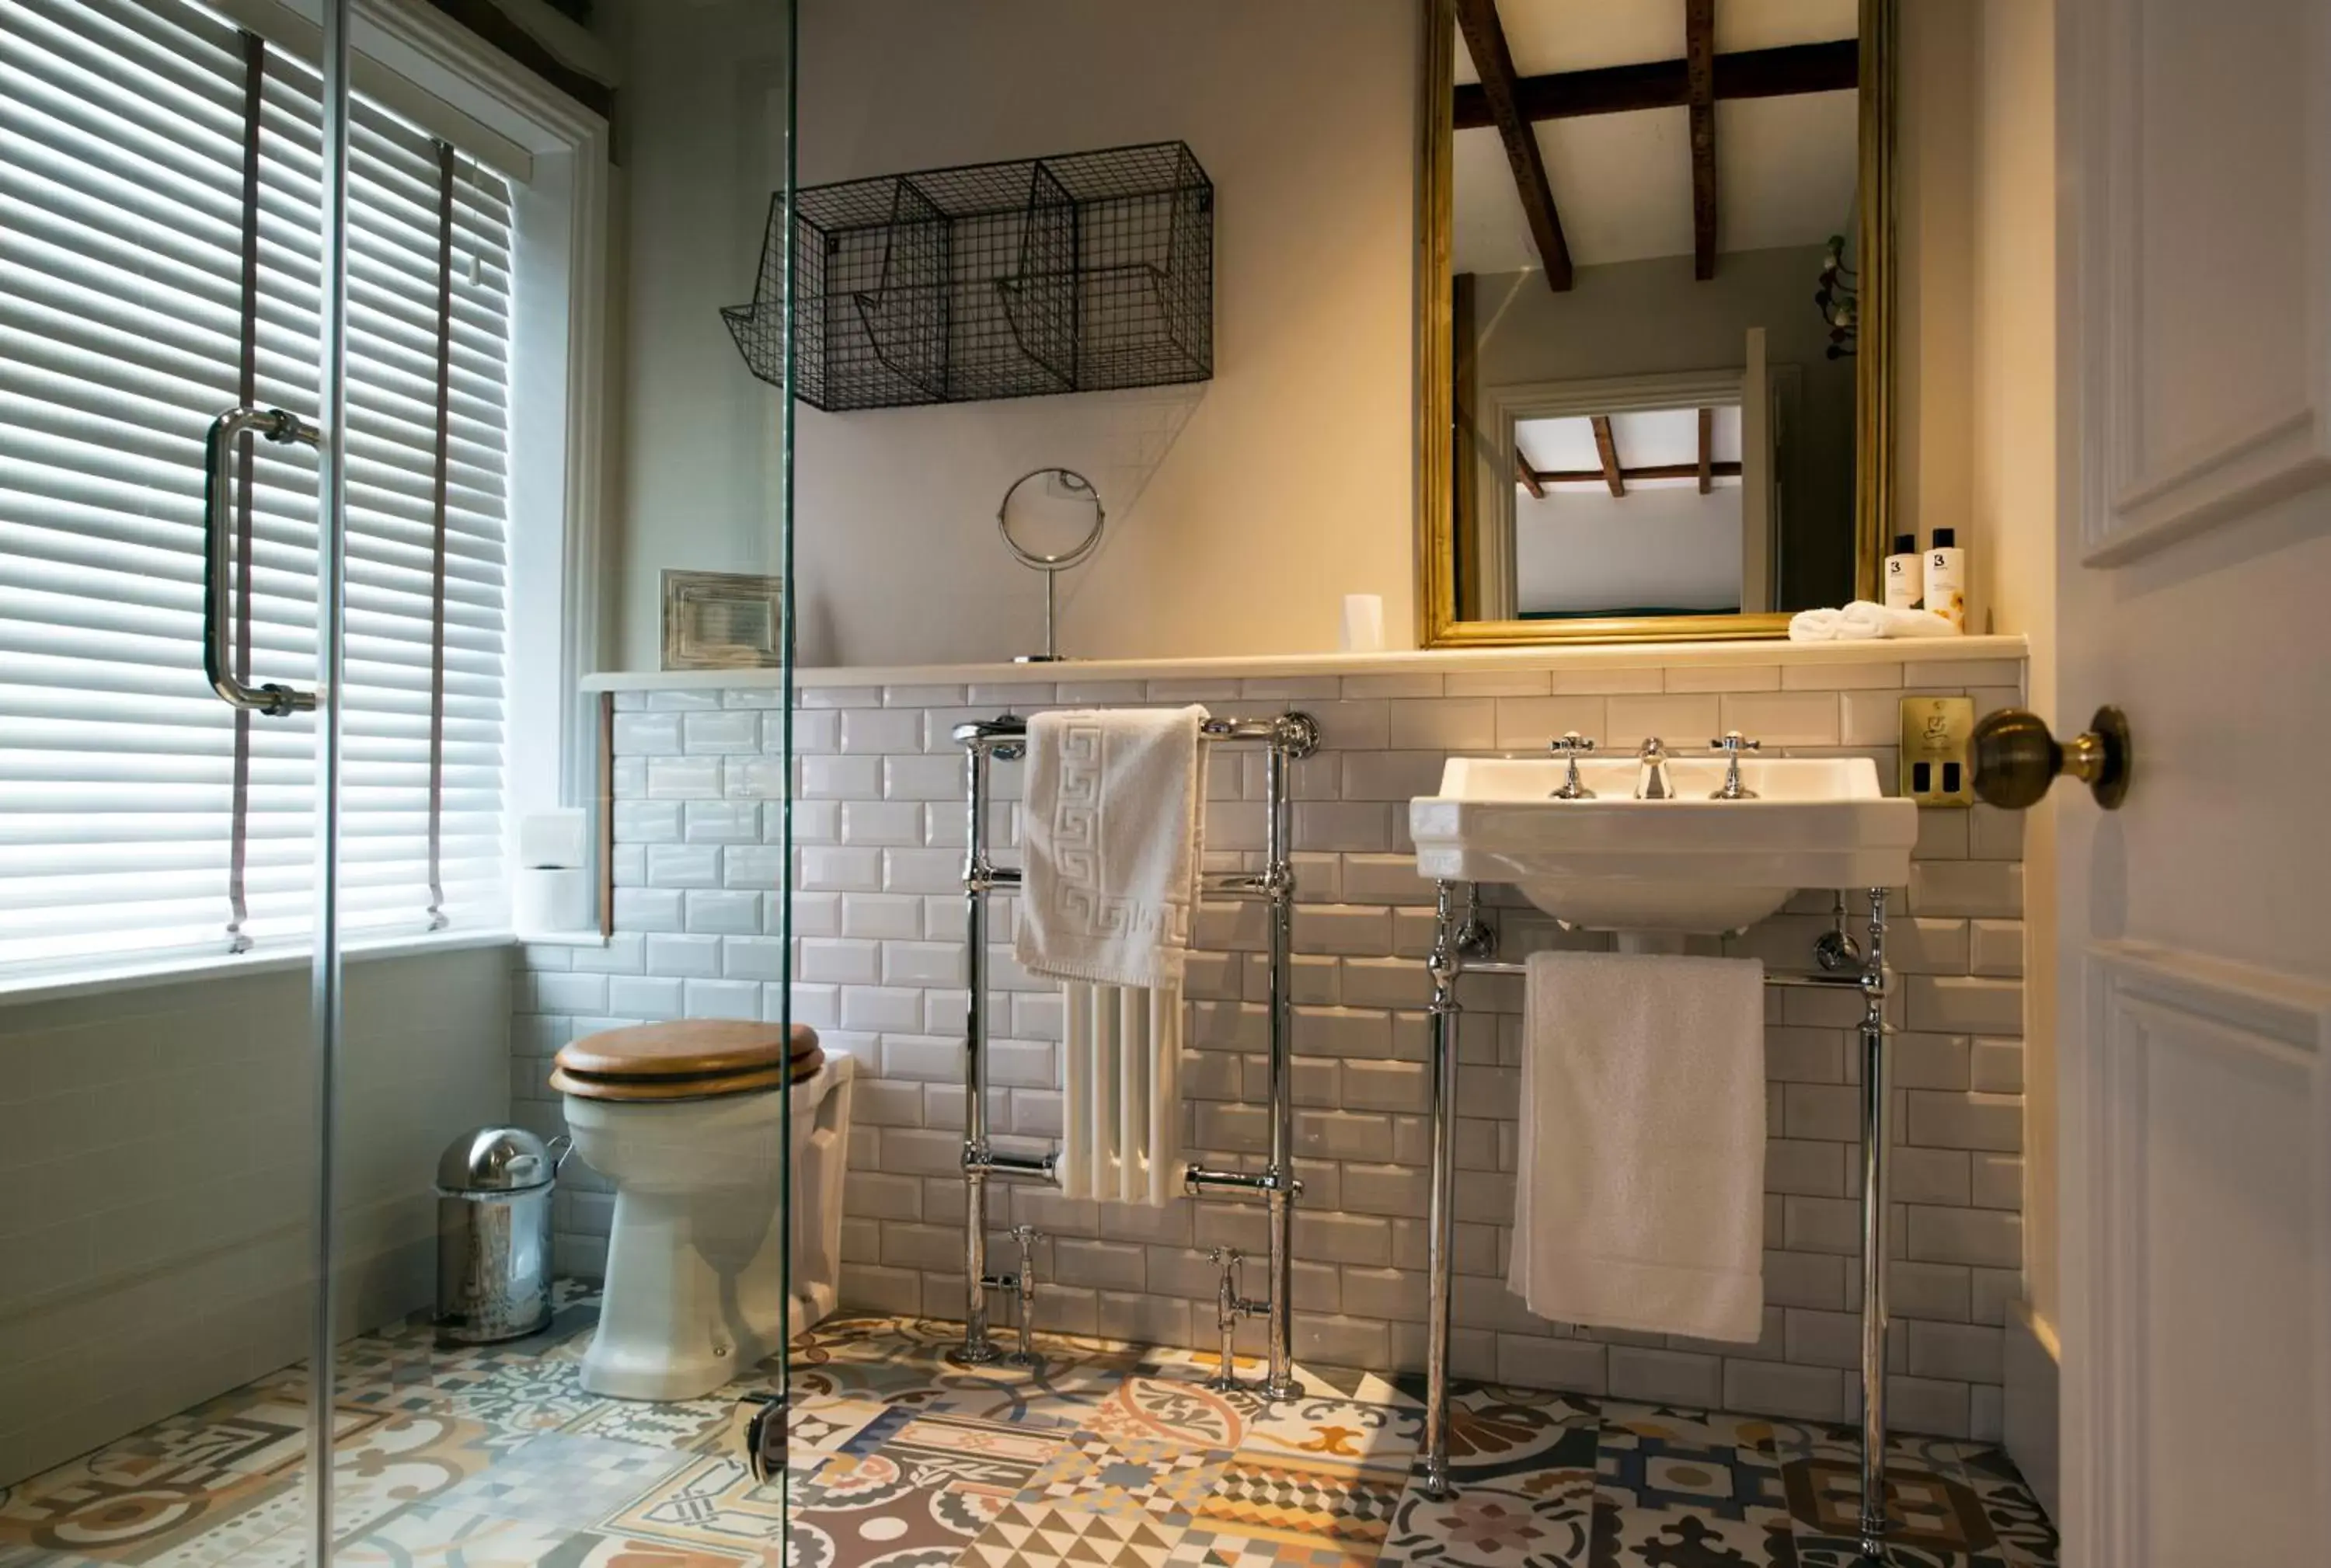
(1536,479)
(1706,448)
(1607,449)
(1493,61)
(1779,73)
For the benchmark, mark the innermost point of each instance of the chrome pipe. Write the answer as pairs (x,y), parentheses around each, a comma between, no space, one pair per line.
(1044,1167)
(1197,1178)
(1441,1224)
(977,1158)
(1297,733)
(1233,884)
(1228,1309)
(1874,1171)
(1279,879)
(1022,1285)
(1806,982)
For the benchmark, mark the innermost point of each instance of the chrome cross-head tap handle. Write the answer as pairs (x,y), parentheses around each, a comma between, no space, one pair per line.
(1652,783)
(1733,744)
(1573,788)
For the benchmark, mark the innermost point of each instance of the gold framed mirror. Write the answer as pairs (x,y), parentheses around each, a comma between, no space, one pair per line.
(1638,429)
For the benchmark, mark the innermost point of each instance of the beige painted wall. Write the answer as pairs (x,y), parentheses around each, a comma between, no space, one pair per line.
(1977,395)
(1934,433)
(1241,510)
(2013,475)
(1975,392)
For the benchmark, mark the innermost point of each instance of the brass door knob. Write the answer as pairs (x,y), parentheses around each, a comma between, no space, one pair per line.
(2016,759)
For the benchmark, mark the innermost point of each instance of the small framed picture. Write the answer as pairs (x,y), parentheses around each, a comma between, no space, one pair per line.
(722,621)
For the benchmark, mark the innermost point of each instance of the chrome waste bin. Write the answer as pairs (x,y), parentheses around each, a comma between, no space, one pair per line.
(494,1191)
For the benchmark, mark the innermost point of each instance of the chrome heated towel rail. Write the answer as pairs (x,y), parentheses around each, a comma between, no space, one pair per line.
(1286,737)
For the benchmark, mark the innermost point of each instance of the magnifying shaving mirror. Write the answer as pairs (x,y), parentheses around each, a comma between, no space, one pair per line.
(1051,520)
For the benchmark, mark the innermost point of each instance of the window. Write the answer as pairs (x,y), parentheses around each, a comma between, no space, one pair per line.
(137,815)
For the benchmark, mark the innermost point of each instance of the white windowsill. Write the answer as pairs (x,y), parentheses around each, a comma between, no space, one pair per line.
(57,984)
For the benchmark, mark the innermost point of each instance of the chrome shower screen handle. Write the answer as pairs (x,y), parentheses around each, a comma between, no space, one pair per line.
(218,550)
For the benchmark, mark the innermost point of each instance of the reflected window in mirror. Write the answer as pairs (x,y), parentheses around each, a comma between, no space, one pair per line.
(1661,226)
(1628,512)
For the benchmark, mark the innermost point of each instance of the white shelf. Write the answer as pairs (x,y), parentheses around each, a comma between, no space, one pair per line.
(1582,656)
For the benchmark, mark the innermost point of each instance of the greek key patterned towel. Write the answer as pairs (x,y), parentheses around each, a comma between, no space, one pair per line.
(1109,837)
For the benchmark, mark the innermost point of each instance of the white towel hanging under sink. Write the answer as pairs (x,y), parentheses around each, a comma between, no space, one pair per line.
(1640,1191)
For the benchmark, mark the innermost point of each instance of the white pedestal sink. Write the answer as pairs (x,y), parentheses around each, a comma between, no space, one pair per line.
(1690,864)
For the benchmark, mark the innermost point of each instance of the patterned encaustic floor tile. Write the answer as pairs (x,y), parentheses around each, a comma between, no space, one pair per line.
(1097,1455)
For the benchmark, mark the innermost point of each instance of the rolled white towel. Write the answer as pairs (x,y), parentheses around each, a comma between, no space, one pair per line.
(1862,622)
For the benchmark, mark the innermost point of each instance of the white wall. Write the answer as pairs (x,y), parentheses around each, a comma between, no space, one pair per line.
(1659,545)
(157,1177)
(1241,510)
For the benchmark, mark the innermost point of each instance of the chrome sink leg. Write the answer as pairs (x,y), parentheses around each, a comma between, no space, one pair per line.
(1445,965)
(1874,1170)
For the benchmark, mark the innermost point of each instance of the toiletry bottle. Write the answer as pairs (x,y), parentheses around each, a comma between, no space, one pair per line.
(1946,578)
(1903,574)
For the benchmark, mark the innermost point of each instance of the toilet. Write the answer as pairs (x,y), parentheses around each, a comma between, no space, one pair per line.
(683,1118)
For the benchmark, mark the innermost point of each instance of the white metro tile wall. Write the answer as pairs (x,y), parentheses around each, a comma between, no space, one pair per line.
(877,926)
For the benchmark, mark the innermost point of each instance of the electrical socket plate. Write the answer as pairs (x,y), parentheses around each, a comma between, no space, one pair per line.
(1937,744)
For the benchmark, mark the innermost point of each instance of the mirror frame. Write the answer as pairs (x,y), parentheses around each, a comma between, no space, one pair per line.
(1437,625)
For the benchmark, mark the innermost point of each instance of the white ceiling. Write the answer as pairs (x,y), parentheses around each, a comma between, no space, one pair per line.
(1622,183)
(1650,437)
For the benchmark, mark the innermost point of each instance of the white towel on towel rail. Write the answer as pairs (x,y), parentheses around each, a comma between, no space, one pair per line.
(1640,1186)
(1110,845)
(1121,1117)
(1108,891)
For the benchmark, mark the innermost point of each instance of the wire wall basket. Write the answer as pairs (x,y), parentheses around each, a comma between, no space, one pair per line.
(1080,273)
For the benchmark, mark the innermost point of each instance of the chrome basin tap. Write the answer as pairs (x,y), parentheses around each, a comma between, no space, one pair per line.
(1652,783)
(1573,787)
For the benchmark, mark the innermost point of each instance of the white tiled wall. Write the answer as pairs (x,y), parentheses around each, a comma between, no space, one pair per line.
(878,920)
(157,1178)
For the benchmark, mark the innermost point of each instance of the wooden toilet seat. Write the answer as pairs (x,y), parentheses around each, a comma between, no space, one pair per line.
(692,1058)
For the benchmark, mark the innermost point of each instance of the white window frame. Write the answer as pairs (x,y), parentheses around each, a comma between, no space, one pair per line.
(554,152)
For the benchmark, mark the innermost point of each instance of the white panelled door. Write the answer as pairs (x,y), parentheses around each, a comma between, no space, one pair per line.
(2194,591)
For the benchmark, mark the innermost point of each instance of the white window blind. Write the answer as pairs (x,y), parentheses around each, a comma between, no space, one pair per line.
(122,188)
